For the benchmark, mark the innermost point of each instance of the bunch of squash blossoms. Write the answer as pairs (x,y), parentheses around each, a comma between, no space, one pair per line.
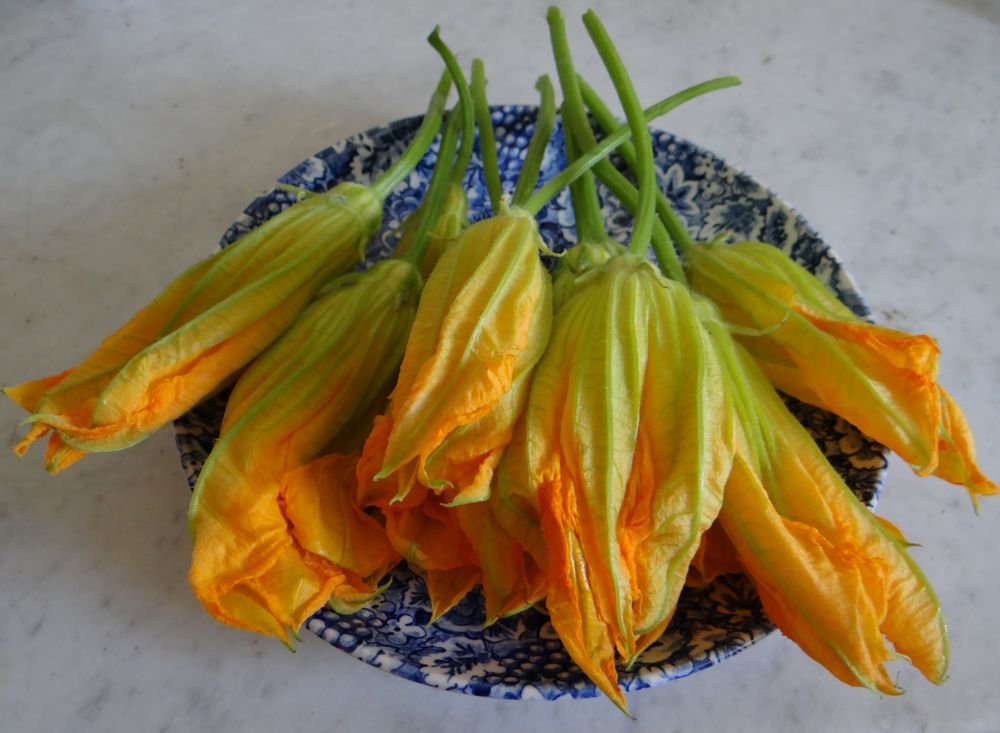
(589,440)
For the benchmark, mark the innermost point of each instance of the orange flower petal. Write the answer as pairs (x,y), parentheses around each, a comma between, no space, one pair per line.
(570,598)
(715,557)
(320,504)
(59,456)
(447,587)
(429,536)
(957,452)
(511,580)
(29,394)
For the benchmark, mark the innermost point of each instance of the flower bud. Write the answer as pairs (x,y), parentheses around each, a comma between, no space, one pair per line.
(276,525)
(811,346)
(482,324)
(627,447)
(203,328)
(833,577)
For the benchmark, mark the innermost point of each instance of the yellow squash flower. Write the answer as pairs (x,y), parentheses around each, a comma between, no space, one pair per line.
(813,347)
(833,577)
(482,325)
(204,327)
(627,449)
(276,525)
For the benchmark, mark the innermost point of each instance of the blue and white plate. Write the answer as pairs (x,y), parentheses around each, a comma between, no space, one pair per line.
(521,657)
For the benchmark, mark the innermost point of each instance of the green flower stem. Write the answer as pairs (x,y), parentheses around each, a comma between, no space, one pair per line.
(586,205)
(575,117)
(430,207)
(591,157)
(663,246)
(607,121)
(464,100)
(487,141)
(528,176)
(428,130)
(642,228)
(575,132)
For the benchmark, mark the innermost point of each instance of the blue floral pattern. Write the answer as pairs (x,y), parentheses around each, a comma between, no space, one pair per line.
(521,656)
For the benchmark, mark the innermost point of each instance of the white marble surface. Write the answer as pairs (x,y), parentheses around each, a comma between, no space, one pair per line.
(132,133)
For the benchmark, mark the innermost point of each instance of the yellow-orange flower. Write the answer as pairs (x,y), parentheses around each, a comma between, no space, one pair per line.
(813,347)
(276,525)
(627,448)
(482,324)
(204,327)
(832,576)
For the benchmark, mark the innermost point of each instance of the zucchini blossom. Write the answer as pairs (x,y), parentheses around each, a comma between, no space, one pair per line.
(627,451)
(813,347)
(834,577)
(482,325)
(211,321)
(274,516)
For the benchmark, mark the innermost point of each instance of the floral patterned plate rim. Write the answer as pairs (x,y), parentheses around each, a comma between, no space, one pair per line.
(521,657)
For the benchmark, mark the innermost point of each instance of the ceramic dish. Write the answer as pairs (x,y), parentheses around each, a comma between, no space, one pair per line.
(521,657)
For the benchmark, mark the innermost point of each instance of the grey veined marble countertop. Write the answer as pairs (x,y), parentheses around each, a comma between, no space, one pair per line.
(132,134)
